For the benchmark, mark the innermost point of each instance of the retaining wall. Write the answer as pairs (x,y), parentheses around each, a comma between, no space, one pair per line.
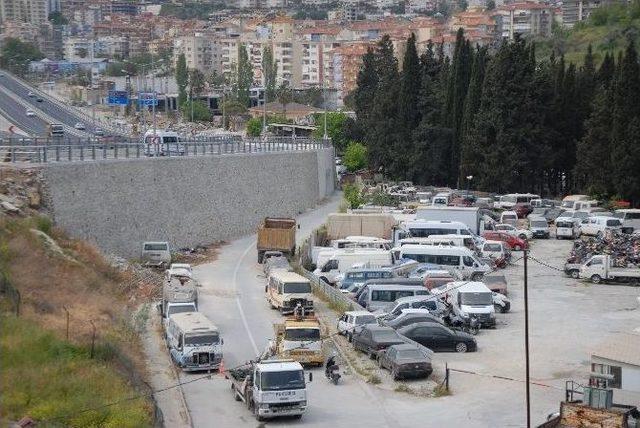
(118,204)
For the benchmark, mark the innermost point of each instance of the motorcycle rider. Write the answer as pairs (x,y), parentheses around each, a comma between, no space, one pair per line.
(330,366)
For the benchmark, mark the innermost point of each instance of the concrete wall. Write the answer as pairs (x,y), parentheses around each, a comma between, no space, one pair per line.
(186,201)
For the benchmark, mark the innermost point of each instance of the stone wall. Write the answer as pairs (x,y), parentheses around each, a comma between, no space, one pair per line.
(119,204)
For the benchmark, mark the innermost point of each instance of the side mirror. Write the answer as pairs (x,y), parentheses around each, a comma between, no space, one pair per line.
(310,377)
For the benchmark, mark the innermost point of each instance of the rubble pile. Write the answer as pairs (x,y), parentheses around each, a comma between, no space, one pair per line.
(20,192)
(625,249)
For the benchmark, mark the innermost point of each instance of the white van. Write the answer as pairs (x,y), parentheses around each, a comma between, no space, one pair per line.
(156,254)
(569,202)
(567,227)
(162,143)
(509,217)
(332,264)
(472,299)
(630,218)
(596,226)
(464,241)
(380,296)
(509,201)
(424,229)
(441,199)
(361,242)
(460,259)
(585,205)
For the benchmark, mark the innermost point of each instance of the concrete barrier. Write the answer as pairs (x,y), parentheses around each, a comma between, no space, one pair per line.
(118,204)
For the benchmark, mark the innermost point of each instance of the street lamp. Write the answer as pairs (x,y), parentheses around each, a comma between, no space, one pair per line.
(469,178)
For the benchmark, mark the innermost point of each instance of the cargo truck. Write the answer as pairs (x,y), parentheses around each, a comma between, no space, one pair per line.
(471,216)
(298,338)
(601,268)
(276,234)
(271,388)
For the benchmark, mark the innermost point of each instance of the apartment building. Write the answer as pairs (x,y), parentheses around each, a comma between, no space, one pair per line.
(318,45)
(574,11)
(347,60)
(35,12)
(474,20)
(201,51)
(524,18)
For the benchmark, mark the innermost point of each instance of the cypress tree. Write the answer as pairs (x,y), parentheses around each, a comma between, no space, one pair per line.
(182,78)
(367,84)
(606,70)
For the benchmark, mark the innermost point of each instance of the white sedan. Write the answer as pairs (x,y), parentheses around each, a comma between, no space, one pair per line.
(30,112)
(511,230)
(79,126)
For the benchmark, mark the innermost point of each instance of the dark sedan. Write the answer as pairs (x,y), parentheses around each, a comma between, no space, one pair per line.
(405,361)
(404,320)
(373,339)
(439,338)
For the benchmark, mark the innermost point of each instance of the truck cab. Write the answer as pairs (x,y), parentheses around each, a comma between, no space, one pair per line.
(271,388)
(298,338)
(194,342)
(285,290)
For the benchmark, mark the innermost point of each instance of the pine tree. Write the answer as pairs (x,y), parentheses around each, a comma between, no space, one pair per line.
(381,130)
(606,71)
(269,73)
(408,113)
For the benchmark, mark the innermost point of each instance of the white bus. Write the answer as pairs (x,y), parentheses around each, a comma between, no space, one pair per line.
(458,259)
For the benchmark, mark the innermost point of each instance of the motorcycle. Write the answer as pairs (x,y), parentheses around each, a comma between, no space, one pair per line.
(332,371)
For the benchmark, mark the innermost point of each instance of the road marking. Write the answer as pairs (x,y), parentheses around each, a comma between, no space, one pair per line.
(235,288)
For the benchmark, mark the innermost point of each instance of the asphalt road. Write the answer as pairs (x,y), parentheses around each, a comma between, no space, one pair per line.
(15,113)
(567,318)
(47,106)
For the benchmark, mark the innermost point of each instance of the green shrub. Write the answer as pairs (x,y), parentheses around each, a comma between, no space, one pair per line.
(355,157)
(44,224)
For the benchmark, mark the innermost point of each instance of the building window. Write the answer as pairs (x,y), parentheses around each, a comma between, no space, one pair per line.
(616,371)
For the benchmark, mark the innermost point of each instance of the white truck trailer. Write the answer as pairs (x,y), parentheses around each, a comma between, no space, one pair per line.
(471,216)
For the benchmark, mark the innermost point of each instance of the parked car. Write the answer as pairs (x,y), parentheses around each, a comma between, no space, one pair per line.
(373,339)
(179,270)
(567,227)
(496,283)
(495,250)
(522,210)
(79,126)
(352,322)
(630,218)
(596,226)
(423,269)
(512,230)
(434,306)
(406,361)
(437,337)
(411,316)
(438,278)
(513,242)
(509,217)
(539,227)
(39,99)
(360,276)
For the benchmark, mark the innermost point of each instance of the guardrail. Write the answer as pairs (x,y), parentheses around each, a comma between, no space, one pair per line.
(333,295)
(91,150)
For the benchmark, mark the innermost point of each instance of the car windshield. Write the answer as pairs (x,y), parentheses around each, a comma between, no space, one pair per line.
(564,224)
(178,309)
(275,381)
(385,336)
(202,339)
(410,353)
(302,334)
(365,319)
(155,247)
(613,223)
(297,287)
(476,298)
(538,223)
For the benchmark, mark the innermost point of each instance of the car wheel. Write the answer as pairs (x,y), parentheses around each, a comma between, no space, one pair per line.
(575,274)
(461,347)
(596,279)
(499,309)
(522,236)
(517,248)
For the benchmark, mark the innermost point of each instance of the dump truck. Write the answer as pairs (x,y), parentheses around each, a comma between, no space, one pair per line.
(276,234)
(298,338)
(271,388)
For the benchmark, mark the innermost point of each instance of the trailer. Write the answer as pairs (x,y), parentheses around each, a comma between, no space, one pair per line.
(280,389)
(471,216)
(276,234)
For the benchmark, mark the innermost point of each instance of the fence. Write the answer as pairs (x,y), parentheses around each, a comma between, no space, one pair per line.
(46,150)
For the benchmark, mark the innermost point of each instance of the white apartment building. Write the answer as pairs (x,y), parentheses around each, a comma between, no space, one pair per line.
(78,49)
(317,59)
(201,51)
(35,12)
(524,18)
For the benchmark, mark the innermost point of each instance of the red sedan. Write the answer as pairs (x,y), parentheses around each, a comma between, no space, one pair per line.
(513,242)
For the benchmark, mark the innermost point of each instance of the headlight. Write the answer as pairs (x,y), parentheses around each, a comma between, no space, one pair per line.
(303,403)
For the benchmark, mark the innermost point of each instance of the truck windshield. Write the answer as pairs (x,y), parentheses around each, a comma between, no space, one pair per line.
(302,334)
(178,309)
(275,381)
(297,287)
(476,299)
(155,247)
(202,339)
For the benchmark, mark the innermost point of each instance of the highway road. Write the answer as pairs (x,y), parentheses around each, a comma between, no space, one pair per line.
(232,296)
(48,106)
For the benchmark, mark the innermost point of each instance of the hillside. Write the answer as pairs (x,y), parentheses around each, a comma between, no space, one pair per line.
(608,29)
(51,369)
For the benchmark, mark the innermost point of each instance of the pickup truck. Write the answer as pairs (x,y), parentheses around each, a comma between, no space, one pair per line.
(601,268)
(271,388)
(276,234)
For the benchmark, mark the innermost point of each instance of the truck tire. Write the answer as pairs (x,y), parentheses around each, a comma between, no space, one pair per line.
(596,279)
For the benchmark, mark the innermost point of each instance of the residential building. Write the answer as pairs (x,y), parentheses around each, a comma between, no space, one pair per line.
(347,60)
(120,8)
(615,363)
(524,18)
(318,44)
(35,12)
(201,51)
(293,111)
(474,19)
(574,11)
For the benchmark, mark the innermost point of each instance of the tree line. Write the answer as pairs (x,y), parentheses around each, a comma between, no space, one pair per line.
(502,121)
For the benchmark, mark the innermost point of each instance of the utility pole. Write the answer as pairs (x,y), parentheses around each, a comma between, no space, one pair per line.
(153,102)
(223,109)
(324,103)
(526,335)
(93,101)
